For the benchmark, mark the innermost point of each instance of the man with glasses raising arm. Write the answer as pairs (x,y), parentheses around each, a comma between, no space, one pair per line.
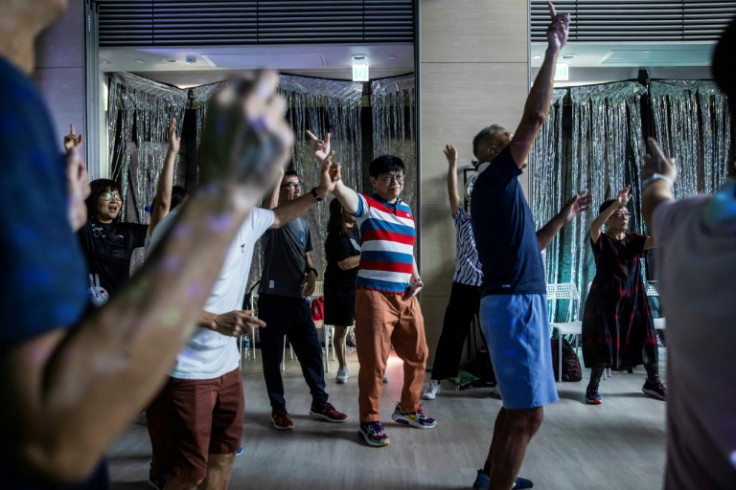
(386,307)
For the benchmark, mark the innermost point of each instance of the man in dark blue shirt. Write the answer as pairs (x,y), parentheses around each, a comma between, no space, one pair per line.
(73,379)
(513,311)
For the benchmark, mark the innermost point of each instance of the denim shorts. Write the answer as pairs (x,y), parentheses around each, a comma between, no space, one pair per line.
(517,332)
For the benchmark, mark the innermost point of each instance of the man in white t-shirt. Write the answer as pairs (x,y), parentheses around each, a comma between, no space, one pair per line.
(696,265)
(196,421)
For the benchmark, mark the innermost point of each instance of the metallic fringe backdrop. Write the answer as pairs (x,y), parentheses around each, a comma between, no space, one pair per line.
(138,121)
(593,140)
(693,127)
(140,111)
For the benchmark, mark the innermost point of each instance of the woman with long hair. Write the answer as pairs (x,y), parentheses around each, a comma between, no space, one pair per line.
(343,255)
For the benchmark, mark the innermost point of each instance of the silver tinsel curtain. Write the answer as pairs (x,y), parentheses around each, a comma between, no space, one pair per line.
(393,108)
(692,124)
(138,122)
(597,147)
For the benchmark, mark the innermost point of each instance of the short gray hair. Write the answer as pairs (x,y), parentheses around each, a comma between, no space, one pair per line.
(483,134)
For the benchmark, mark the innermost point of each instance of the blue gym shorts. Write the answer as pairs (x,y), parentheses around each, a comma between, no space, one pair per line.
(517,332)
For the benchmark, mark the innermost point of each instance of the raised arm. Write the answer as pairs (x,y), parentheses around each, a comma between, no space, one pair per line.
(322,150)
(162,201)
(622,199)
(291,209)
(658,175)
(75,390)
(540,95)
(77,179)
(451,155)
(577,204)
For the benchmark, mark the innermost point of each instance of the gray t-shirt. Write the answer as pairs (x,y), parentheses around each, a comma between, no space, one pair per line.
(283,259)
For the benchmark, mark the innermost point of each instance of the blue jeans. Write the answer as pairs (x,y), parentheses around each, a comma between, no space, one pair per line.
(290,317)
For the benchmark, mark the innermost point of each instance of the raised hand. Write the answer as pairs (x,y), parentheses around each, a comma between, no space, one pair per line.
(72,140)
(174,139)
(451,155)
(624,196)
(320,148)
(246,138)
(328,175)
(655,162)
(577,204)
(558,29)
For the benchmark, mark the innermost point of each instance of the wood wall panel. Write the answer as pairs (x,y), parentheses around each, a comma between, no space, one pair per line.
(465,85)
(471,31)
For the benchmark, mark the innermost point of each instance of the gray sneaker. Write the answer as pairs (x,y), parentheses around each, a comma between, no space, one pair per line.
(342,375)
(432,390)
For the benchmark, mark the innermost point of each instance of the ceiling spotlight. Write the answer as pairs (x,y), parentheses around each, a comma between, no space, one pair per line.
(360,68)
(140,61)
(170,60)
(569,56)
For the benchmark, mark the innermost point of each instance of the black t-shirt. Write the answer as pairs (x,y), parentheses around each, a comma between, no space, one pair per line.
(284,263)
(108,247)
(504,231)
(338,247)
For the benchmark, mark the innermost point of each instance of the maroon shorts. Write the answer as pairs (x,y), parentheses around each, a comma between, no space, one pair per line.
(192,418)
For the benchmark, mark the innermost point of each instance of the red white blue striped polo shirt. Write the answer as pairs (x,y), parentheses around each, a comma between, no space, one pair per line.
(387,235)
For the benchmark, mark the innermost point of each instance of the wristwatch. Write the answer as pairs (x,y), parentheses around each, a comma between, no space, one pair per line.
(312,269)
(315,194)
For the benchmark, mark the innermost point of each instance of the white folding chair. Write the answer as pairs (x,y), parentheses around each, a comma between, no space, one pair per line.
(570,292)
(659,323)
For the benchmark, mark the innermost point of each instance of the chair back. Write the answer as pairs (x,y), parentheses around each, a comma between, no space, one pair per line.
(566,290)
(319,289)
(652,289)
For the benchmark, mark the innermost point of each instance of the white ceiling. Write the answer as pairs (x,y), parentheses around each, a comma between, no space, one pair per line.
(169,65)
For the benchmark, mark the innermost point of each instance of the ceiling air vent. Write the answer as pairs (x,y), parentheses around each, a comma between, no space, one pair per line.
(127,23)
(637,20)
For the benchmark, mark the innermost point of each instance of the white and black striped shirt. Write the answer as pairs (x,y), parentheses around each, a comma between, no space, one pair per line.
(468,270)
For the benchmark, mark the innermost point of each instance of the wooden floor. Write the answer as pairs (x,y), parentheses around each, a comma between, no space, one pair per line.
(618,445)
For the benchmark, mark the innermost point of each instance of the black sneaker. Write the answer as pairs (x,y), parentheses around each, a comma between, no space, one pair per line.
(655,389)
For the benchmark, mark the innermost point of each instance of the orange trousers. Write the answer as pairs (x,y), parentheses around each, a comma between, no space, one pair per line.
(383,319)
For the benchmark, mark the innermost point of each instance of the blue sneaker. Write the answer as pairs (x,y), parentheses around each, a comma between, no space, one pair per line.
(415,419)
(482,482)
(373,434)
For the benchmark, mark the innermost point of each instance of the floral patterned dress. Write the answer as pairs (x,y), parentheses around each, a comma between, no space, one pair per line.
(618,330)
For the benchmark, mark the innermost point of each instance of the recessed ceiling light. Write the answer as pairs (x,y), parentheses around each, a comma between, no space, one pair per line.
(360,58)
(569,56)
(104,61)
(191,59)
(537,57)
(170,60)
(391,57)
(140,61)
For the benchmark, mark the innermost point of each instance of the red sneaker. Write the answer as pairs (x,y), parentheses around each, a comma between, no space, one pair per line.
(327,413)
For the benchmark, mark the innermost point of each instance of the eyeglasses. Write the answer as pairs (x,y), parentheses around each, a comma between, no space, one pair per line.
(387,178)
(109,196)
(293,185)
(621,215)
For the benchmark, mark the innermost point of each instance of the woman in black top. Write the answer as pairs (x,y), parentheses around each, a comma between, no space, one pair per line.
(107,243)
(343,255)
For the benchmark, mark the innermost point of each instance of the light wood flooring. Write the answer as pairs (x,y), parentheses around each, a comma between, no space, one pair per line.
(618,445)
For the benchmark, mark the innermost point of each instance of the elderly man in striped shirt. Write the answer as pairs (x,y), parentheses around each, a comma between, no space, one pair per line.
(387,310)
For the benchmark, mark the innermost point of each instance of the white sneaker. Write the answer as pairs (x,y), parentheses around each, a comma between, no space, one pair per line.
(385,379)
(342,375)
(432,390)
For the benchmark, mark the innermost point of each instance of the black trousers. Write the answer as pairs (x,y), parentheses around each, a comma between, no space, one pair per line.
(290,317)
(462,308)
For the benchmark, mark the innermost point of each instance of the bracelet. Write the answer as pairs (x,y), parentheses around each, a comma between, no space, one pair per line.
(312,269)
(315,194)
(655,177)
